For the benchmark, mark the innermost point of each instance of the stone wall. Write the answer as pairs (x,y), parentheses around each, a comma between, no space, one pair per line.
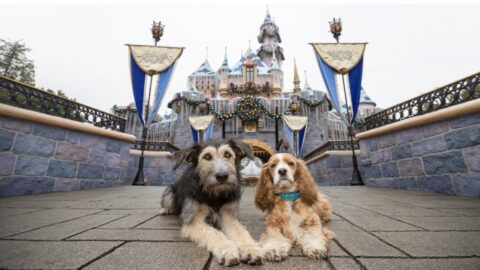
(157,170)
(334,169)
(440,157)
(37,158)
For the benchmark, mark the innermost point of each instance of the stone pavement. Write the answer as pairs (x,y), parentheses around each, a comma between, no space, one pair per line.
(119,228)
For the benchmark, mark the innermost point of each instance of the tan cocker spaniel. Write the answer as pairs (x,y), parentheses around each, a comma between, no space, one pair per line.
(294,209)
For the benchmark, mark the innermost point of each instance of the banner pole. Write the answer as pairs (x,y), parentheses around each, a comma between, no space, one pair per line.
(140,178)
(356,177)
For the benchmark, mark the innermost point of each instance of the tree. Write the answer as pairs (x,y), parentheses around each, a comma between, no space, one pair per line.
(14,62)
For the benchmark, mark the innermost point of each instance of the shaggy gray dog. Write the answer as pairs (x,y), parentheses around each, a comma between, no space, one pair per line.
(206,197)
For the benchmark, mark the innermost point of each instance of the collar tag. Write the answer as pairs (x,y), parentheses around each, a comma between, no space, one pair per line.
(289,196)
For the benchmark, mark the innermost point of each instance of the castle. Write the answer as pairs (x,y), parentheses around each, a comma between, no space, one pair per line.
(248,100)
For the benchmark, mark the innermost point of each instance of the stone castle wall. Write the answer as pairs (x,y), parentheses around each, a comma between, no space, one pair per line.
(440,157)
(38,158)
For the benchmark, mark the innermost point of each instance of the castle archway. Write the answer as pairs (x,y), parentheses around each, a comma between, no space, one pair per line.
(260,149)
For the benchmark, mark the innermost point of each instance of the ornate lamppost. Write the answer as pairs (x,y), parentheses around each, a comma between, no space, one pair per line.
(157,33)
(336,30)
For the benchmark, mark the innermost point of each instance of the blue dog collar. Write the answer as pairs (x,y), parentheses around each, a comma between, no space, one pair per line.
(289,196)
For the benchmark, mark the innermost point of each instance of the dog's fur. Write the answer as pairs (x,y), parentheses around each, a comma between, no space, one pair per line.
(206,198)
(290,223)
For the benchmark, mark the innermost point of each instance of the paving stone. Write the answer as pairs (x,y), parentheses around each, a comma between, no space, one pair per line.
(420,264)
(7,163)
(474,212)
(60,168)
(21,185)
(464,137)
(467,184)
(360,243)
(33,145)
(410,167)
(50,255)
(130,235)
(435,244)
(23,223)
(31,165)
(128,222)
(66,229)
(445,223)
(153,256)
(90,171)
(17,125)
(295,263)
(344,264)
(72,152)
(429,146)
(50,132)
(376,222)
(401,152)
(162,222)
(6,139)
(6,212)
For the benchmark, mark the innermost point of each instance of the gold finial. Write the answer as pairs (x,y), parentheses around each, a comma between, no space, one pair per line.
(296,79)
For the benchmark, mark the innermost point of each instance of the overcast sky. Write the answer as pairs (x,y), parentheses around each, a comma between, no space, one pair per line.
(79,48)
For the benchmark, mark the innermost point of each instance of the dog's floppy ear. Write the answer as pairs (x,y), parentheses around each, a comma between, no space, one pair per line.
(305,183)
(264,196)
(189,155)
(241,149)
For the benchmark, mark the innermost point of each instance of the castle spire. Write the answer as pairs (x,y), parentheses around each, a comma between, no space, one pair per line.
(306,86)
(296,78)
(225,65)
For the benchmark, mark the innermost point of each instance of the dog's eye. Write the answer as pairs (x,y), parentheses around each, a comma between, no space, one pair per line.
(273,165)
(227,155)
(291,163)
(207,157)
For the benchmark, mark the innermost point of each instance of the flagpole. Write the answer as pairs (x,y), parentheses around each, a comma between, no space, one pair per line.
(157,32)
(356,177)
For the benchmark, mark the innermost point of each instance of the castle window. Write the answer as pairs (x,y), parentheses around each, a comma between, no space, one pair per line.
(249,74)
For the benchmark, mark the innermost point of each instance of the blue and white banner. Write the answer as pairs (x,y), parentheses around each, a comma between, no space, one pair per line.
(202,128)
(338,60)
(295,129)
(150,61)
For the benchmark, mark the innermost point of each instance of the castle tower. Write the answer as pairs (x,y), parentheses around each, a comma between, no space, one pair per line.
(270,40)
(296,78)
(204,78)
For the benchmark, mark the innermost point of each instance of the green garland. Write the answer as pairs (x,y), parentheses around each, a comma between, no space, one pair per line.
(249,88)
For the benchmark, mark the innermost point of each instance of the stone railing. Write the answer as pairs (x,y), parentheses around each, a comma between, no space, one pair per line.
(155,146)
(332,146)
(457,92)
(27,97)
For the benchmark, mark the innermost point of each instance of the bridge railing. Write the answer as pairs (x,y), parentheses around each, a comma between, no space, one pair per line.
(31,98)
(460,91)
(332,146)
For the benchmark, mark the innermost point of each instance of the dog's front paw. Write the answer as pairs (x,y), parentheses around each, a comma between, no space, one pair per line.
(228,256)
(251,255)
(276,254)
(315,252)
(165,211)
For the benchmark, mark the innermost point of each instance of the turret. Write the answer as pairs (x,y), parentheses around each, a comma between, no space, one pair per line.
(269,38)
(296,78)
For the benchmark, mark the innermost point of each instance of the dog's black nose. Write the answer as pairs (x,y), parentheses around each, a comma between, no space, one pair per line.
(221,177)
(282,172)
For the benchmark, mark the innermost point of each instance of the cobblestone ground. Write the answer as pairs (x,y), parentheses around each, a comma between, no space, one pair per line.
(119,228)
